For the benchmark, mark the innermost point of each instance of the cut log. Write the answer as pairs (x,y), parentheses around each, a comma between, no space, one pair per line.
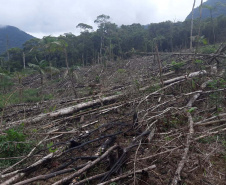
(64,111)
(177,79)
(191,75)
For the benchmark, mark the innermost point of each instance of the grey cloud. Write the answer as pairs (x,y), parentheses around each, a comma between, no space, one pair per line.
(61,16)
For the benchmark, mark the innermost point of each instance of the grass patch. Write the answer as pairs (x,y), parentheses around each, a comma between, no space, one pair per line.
(28,96)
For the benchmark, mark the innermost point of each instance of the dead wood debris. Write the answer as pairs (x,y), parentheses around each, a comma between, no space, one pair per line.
(133,131)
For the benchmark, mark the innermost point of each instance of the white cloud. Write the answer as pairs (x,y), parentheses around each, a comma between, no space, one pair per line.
(54,17)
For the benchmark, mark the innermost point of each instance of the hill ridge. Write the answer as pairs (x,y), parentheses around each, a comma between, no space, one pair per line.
(15,36)
(219,8)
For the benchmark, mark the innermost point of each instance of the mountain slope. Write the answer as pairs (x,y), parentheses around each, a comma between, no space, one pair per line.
(15,37)
(218,6)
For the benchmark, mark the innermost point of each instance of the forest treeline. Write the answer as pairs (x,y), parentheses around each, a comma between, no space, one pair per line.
(110,42)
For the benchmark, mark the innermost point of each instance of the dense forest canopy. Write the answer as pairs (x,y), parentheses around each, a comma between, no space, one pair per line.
(110,42)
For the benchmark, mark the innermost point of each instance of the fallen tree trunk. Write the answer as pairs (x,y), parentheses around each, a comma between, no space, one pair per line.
(177,176)
(177,79)
(191,75)
(64,111)
(19,175)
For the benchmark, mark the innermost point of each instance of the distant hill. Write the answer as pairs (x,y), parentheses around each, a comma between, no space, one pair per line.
(219,8)
(16,37)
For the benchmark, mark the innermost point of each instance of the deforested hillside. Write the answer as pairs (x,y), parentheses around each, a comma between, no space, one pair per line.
(152,119)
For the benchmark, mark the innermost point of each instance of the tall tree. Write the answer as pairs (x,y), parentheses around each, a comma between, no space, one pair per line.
(102,20)
(192,22)
(84,27)
(211,9)
(84,31)
(200,17)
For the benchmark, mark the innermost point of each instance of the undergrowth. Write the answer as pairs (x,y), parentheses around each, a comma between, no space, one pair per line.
(28,96)
(13,143)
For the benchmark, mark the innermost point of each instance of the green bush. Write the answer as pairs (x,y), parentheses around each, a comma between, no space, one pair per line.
(176,66)
(121,71)
(208,50)
(5,82)
(199,62)
(13,144)
(217,98)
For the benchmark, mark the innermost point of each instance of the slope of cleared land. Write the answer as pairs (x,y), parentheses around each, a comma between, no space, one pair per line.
(131,123)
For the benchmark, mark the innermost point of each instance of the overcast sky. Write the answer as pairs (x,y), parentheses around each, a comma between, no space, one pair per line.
(55,17)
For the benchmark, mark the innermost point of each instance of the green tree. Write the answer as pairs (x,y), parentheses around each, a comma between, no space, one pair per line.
(84,33)
(192,23)
(84,27)
(5,81)
(102,20)
(42,67)
(49,45)
(211,10)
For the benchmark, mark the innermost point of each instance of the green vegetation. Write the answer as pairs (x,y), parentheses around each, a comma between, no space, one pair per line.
(217,97)
(111,42)
(192,109)
(176,66)
(208,49)
(5,81)
(153,88)
(29,96)
(199,62)
(13,144)
(113,183)
(121,71)
(49,146)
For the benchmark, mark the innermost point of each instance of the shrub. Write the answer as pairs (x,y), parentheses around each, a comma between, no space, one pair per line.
(208,50)
(13,144)
(176,66)
(121,71)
